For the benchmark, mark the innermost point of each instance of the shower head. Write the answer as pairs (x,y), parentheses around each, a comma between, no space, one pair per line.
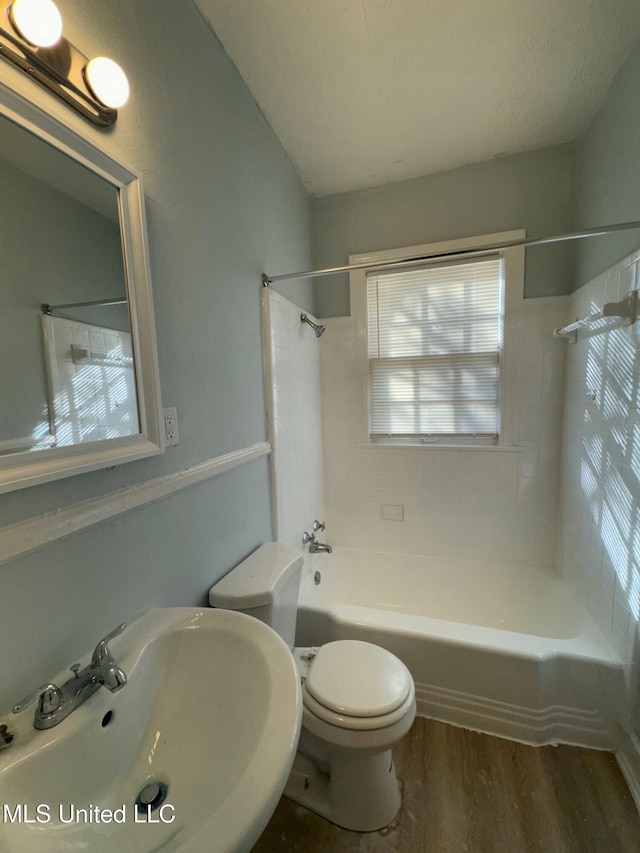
(316,328)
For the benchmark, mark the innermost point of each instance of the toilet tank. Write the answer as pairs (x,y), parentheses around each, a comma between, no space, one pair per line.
(265,586)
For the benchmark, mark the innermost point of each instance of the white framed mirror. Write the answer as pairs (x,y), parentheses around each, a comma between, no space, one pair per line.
(79,386)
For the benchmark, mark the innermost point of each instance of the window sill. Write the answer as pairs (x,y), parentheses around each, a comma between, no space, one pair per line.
(476,448)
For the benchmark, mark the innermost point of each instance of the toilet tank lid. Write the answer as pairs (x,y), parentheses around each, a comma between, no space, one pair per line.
(252,582)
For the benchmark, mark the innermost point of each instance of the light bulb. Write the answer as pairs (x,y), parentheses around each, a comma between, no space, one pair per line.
(107,82)
(38,21)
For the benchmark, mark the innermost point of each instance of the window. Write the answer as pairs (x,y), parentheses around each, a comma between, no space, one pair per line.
(434,338)
(437,348)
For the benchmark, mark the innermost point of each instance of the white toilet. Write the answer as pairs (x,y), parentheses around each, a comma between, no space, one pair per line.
(358,699)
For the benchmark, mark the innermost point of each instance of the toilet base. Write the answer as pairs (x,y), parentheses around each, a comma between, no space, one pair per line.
(353,790)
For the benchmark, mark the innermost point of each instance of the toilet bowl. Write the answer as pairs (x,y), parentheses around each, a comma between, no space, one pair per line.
(358,700)
(358,703)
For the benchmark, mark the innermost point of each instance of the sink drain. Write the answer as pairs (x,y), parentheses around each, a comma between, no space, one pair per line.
(151,797)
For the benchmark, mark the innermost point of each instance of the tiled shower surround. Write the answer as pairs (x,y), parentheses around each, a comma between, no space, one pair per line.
(490,504)
(564,498)
(599,541)
(292,385)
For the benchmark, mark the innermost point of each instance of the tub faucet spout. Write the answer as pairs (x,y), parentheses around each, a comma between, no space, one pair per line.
(319,548)
(315,547)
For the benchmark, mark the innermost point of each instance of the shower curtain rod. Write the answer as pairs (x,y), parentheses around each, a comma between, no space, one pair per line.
(49,309)
(452,256)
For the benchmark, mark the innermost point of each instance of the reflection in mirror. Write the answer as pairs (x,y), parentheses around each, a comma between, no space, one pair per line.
(91,381)
(69,377)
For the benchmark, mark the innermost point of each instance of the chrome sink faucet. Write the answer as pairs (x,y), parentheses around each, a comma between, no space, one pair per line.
(56,703)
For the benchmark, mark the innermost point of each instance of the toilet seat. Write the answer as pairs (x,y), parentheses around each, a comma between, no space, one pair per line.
(356,685)
(342,721)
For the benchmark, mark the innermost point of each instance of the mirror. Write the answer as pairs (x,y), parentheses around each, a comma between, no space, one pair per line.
(78,373)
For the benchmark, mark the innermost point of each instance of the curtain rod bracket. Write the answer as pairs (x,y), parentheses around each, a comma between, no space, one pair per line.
(264,278)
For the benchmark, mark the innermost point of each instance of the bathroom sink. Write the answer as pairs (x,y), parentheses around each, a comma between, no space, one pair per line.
(209,720)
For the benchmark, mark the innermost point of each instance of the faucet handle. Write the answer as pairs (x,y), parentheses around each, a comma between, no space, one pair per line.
(50,694)
(101,652)
(308,537)
(319,525)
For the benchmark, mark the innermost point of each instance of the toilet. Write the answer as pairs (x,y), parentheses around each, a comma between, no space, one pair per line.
(358,699)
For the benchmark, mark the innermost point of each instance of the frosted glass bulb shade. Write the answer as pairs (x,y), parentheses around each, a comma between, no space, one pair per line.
(38,21)
(107,82)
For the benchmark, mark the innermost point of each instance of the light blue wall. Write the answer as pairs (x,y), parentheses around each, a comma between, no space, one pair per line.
(608,173)
(534,190)
(223,204)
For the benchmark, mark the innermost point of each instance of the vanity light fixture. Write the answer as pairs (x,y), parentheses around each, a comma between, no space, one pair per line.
(38,21)
(31,38)
(107,81)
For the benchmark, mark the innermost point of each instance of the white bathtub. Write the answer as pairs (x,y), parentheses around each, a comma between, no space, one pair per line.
(501,649)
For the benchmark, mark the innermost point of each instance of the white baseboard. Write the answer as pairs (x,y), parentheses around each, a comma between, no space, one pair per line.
(25,537)
(628,757)
(555,724)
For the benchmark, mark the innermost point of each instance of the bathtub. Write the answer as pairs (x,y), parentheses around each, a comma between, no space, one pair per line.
(505,650)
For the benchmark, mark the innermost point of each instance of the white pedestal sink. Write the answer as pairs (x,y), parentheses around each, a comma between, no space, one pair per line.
(211,710)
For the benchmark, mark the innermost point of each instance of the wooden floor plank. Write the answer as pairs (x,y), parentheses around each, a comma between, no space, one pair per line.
(465,792)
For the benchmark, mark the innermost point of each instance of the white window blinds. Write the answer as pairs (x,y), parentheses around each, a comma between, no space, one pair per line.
(434,340)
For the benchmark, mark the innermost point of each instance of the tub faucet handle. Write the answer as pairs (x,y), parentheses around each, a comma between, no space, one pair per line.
(319,525)
(308,537)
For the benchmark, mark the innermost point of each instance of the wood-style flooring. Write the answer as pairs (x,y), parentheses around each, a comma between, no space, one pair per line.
(465,792)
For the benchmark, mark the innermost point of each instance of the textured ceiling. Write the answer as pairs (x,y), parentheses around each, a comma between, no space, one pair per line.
(365,92)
